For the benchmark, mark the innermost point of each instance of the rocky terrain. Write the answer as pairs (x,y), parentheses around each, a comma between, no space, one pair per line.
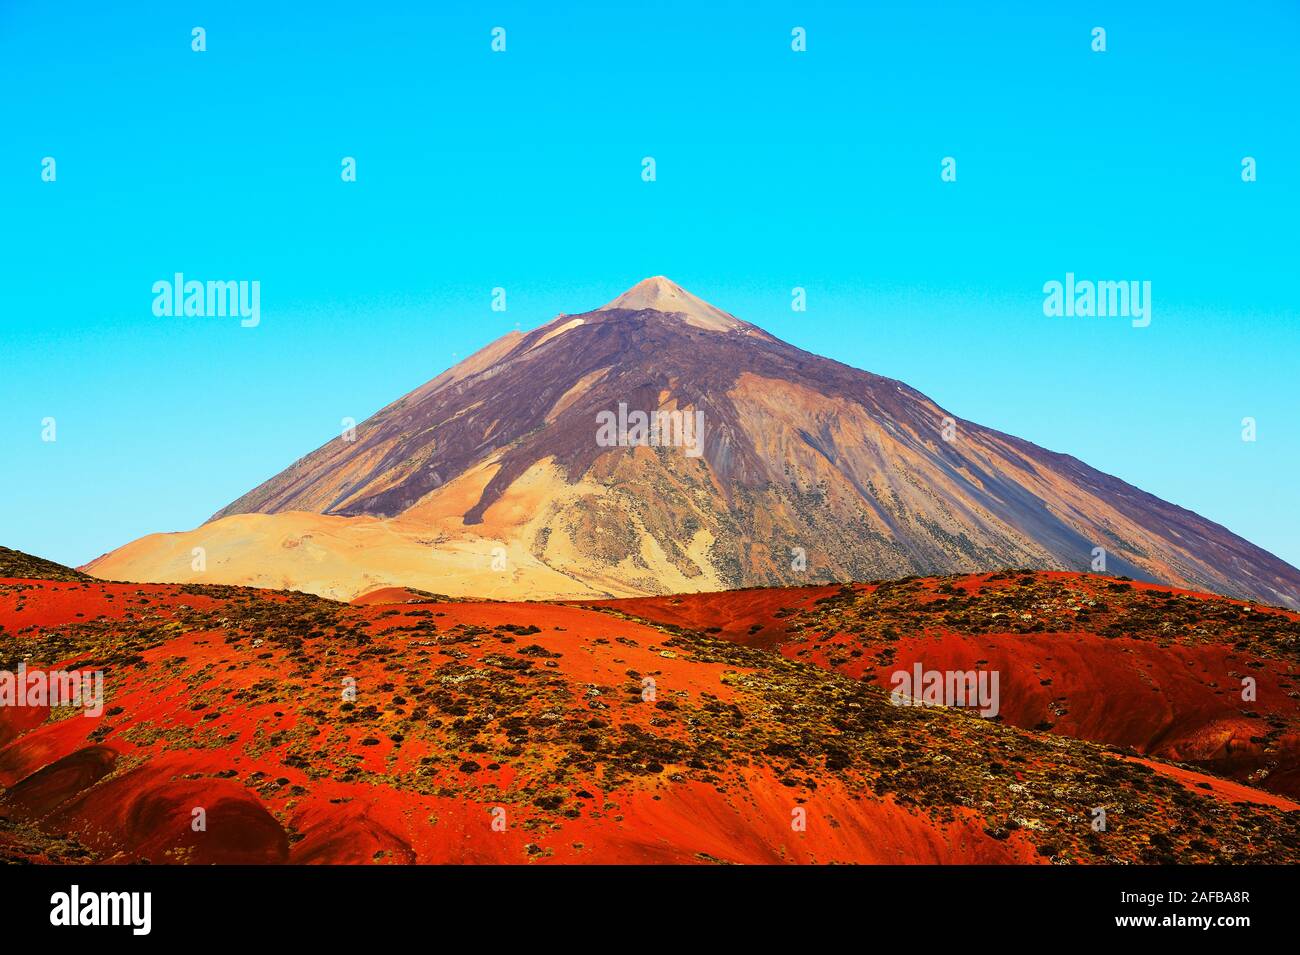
(1159,672)
(411,728)
(14,563)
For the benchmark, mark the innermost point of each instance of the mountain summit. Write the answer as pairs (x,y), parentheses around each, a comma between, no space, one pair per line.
(662,295)
(558,463)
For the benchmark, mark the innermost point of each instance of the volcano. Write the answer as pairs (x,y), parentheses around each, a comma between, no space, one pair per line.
(492,480)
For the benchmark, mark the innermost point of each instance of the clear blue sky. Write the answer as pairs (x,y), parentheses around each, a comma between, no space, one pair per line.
(522,170)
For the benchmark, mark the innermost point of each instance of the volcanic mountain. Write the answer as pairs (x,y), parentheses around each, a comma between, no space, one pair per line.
(490,480)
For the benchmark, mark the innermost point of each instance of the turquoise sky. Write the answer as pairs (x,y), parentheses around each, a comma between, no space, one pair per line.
(775,169)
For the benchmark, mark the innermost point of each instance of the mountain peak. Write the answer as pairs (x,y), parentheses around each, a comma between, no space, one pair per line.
(661,294)
(507,449)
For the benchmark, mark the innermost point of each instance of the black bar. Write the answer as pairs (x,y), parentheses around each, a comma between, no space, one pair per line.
(578,905)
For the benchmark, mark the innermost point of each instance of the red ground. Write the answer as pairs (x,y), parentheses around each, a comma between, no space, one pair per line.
(1152,689)
(230,700)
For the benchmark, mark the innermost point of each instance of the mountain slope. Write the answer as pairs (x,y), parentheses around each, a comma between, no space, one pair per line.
(799,455)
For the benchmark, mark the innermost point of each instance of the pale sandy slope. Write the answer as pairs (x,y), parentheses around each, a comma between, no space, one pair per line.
(428,548)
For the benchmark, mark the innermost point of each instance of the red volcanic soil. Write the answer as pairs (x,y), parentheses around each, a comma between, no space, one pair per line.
(1130,664)
(1222,788)
(754,616)
(535,733)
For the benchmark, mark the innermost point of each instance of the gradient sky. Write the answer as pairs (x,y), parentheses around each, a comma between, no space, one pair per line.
(522,170)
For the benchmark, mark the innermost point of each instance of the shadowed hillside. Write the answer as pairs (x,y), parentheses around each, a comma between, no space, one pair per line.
(14,563)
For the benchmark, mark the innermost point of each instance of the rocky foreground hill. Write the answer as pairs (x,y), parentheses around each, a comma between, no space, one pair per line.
(424,730)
